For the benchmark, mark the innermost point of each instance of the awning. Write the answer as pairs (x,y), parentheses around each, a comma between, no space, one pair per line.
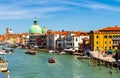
(110,50)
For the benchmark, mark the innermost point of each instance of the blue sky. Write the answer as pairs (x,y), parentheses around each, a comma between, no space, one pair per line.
(73,15)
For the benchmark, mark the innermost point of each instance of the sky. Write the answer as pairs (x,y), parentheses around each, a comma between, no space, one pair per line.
(69,15)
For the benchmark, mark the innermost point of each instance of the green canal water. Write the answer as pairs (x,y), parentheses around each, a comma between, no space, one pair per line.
(22,65)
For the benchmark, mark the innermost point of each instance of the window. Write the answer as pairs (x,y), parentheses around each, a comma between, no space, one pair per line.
(109,47)
(110,36)
(76,39)
(97,48)
(105,48)
(105,42)
(97,36)
(96,42)
(109,42)
(105,36)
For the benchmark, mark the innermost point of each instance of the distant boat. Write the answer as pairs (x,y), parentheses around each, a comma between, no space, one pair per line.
(31,52)
(3,65)
(51,60)
(70,51)
(51,51)
(8,49)
(62,53)
(3,62)
(2,52)
(12,45)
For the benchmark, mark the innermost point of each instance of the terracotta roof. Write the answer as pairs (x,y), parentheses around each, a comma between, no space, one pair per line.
(57,32)
(111,28)
(76,33)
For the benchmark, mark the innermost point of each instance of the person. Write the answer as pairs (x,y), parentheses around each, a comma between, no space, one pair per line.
(117,54)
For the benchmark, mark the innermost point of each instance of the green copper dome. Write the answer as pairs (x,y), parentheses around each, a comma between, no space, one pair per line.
(35,29)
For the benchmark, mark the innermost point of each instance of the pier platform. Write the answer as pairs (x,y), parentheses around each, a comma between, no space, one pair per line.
(100,56)
(104,60)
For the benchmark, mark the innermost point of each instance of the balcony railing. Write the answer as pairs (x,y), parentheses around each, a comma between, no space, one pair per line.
(115,38)
(115,44)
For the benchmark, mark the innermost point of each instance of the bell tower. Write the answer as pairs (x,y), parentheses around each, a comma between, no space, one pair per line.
(7,31)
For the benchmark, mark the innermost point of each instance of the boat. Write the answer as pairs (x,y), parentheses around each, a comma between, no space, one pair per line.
(51,60)
(51,51)
(8,49)
(3,62)
(3,65)
(62,53)
(31,52)
(2,52)
(69,51)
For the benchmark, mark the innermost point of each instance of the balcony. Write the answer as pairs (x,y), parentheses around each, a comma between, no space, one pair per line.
(115,38)
(115,45)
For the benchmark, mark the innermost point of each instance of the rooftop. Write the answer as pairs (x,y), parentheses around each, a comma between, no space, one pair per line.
(111,28)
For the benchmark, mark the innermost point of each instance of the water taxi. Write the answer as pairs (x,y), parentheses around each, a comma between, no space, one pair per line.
(51,60)
(3,63)
(8,49)
(51,51)
(31,52)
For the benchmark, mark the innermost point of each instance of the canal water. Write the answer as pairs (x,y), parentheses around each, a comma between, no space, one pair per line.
(22,65)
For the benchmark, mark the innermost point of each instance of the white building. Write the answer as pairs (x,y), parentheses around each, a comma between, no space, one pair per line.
(52,39)
(72,40)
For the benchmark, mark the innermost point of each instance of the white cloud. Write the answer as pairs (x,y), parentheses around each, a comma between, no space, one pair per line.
(91,5)
(18,9)
(27,9)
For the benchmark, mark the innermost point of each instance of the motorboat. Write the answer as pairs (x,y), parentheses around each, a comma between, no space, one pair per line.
(2,52)
(70,51)
(51,60)
(8,49)
(3,65)
(3,62)
(31,52)
(62,53)
(51,51)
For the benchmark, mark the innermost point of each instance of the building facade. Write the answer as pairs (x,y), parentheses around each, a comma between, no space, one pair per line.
(72,40)
(37,36)
(105,38)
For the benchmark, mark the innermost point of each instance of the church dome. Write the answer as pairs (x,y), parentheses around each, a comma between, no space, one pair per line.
(35,29)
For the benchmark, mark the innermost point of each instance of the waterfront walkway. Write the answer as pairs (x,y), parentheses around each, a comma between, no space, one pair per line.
(100,56)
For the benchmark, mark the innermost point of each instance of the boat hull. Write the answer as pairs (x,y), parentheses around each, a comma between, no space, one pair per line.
(50,60)
(31,52)
(3,67)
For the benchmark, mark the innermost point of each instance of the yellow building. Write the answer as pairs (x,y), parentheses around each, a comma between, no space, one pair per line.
(105,38)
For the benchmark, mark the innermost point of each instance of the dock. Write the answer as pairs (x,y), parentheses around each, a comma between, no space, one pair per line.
(100,56)
(102,59)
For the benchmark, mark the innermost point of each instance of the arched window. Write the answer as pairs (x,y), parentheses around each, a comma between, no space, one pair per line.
(76,39)
(105,36)
(97,36)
